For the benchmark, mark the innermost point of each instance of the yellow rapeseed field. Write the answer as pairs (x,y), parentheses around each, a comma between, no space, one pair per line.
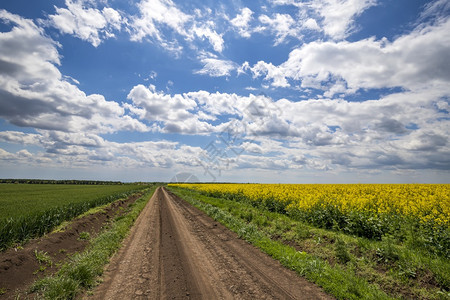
(429,203)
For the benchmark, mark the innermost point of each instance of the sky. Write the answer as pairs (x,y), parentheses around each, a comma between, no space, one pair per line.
(272,91)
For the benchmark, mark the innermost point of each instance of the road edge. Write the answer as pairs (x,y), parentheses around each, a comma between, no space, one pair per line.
(84,269)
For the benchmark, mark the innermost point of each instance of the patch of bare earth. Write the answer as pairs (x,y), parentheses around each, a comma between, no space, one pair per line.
(19,267)
(175,251)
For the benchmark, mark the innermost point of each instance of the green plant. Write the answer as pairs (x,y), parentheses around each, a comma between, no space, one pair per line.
(56,287)
(342,253)
(43,257)
(302,231)
(406,270)
(41,269)
(84,236)
(387,251)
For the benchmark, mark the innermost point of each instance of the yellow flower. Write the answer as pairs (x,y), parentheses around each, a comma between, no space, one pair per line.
(426,202)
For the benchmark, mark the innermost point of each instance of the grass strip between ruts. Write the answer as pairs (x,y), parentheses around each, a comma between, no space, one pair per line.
(83,268)
(334,280)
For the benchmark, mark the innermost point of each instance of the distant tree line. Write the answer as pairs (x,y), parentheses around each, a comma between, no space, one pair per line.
(49,181)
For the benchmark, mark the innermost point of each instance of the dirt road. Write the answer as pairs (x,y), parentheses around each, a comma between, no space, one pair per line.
(175,251)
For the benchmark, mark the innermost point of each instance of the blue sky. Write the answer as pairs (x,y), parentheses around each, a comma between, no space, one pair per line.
(250,91)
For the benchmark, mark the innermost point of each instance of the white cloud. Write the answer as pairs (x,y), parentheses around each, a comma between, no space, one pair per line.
(217,104)
(156,15)
(282,25)
(216,67)
(113,17)
(336,17)
(416,60)
(85,22)
(241,22)
(87,150)
(271,72)
(191,113)
(311,24)
(279,135)
(35,94)
(436,10)
(173,112)
(155,12)
(329,134)
(17,137)
(207,31)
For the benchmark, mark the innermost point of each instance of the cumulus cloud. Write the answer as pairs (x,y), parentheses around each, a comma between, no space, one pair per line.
(416,60)
(86,22)
(206,31)
(88,150)
(35,94)
(328,134)
(322,133)
(194,112)
(282,25)
(336,17)
(315,134)
(173,112)
(155,12)
(17,137)
(158,15)
(241,22)
(215,67)
(270,72)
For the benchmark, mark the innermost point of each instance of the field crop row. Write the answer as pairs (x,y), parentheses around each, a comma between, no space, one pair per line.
(31,210)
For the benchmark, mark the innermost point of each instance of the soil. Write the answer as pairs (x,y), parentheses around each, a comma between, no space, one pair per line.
(19,267)
(175,251)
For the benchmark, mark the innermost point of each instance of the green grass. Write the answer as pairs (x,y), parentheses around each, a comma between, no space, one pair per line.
(31,210)
(21,200)
(83,268)
(43,258)
(84,236)
(346,266)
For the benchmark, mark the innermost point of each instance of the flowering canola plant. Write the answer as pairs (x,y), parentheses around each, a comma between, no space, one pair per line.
(427,203)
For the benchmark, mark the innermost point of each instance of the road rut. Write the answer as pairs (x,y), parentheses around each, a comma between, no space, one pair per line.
(175,251)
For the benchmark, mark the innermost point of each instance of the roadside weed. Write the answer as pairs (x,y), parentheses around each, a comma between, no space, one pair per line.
(342,253)
(84,236)
(43,257)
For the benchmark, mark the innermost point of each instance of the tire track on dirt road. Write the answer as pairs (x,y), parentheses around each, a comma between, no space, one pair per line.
(175,251)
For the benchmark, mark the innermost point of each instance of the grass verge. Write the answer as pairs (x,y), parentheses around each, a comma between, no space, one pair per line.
(83,268)
(335,280)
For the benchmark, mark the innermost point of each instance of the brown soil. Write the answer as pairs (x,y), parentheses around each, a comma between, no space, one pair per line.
(19,266)
(175,251)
